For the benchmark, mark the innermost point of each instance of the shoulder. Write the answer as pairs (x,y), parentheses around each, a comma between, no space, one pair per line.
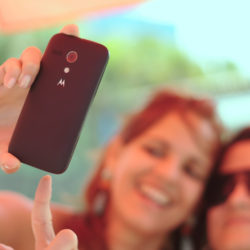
(14,197)
(15,220)
(10,201)
(15,207)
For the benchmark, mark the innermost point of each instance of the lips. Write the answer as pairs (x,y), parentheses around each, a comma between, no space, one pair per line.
(156,195)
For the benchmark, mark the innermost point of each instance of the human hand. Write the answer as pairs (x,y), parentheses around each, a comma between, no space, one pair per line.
(20,73)
(45,238)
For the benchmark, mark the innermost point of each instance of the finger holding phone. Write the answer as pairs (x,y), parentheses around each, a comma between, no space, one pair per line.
(17,72)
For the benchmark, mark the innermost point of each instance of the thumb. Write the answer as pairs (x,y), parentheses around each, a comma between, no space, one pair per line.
(66,239)
(4,247)
(70,29)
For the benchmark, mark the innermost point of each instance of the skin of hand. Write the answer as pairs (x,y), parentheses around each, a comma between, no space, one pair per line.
(42,222)
(20,73)
(42,226)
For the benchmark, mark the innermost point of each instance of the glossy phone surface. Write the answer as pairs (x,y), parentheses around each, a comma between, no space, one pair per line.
(53,113)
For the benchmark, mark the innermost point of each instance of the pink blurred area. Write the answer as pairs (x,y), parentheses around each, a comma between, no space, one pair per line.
(21,15)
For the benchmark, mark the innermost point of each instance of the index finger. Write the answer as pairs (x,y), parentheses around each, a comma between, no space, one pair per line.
(30,61)
(41,214)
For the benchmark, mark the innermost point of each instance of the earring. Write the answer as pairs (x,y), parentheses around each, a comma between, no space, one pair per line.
(106,175)
(102,196)
(100,203)
(188,225)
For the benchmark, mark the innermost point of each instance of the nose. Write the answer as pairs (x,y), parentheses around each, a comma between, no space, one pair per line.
(239,196)
(169,168)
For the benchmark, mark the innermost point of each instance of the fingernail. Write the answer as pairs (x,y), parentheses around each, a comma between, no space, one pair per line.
(11,82)
(25,81)
(46,179)
(6,168)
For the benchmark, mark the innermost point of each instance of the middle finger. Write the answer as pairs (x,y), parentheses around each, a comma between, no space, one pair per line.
(30,58)
(12,70)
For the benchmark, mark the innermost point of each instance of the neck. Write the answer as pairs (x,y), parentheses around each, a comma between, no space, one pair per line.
(122,236)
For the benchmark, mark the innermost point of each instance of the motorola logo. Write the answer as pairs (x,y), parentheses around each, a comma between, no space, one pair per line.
(61,83)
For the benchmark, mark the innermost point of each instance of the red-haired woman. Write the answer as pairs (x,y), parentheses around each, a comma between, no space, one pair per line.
(148,183)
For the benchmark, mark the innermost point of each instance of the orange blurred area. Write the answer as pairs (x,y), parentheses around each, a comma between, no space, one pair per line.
(20,15)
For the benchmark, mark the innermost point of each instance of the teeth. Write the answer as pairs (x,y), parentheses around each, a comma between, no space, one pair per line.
(155,195)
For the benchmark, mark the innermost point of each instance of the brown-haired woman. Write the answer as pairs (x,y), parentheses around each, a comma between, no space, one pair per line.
(224,222)
(147,185)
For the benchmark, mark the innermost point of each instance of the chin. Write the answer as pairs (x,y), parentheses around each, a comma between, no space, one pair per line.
(235,244)
(146,224)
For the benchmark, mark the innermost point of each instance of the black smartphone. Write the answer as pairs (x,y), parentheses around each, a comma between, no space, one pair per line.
(50,122)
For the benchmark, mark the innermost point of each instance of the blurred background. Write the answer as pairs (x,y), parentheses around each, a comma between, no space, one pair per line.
(194,46)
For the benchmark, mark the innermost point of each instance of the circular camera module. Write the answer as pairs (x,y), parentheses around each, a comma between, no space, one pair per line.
(71,56)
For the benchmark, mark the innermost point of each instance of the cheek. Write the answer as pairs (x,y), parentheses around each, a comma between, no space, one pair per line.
(222,235)
(191,193)
(131,163)
(124,176)
(214,226)
(125,203)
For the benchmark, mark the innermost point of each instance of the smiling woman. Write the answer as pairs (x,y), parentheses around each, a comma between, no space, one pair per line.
(148,183)
(162,155)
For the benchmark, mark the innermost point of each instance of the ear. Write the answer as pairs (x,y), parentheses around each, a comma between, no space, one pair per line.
(113,152)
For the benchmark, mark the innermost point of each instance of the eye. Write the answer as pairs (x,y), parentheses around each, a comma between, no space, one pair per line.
(228,186)
(194,171)
(155,150)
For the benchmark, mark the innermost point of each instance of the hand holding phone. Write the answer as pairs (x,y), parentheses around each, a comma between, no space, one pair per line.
(52,116)
(12,69)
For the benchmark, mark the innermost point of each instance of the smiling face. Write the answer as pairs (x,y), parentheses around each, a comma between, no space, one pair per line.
(158,178)
(228,224)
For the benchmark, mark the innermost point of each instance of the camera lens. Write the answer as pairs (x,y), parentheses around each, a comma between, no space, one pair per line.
(71,56)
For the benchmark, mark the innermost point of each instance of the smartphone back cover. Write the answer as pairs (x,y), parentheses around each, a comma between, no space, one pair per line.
(53,113)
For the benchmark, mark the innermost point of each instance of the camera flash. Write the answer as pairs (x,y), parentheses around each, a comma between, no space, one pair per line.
(66,70)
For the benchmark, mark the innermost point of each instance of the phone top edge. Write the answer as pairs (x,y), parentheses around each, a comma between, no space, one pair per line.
(84,39)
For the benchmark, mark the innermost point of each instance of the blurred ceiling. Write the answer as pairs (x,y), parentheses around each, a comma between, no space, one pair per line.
(21,15)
